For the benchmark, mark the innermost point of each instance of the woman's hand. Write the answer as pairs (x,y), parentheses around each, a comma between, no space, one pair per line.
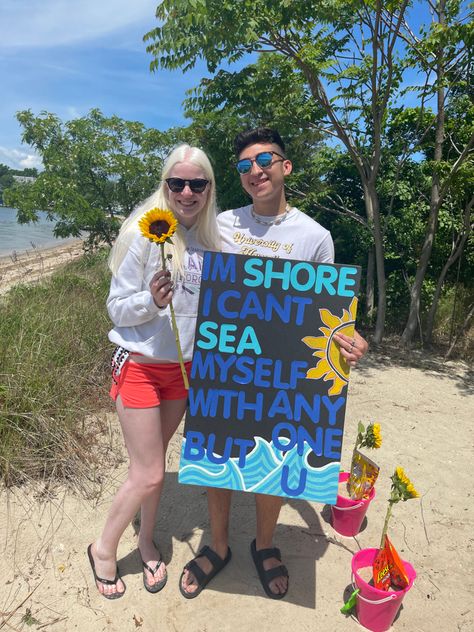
(161,288)
(353,349)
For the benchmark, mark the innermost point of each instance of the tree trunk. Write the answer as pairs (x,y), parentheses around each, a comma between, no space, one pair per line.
(415,294)
(373,215)
(454,256)
(370,289)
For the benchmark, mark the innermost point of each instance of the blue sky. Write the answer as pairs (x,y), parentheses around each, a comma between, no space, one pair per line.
(68,56)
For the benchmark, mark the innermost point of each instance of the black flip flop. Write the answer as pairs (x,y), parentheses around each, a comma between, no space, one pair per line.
(202,579)
(107,582)
(156,587)
(267,576)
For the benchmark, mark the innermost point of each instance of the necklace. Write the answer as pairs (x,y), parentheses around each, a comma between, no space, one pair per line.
(274,221)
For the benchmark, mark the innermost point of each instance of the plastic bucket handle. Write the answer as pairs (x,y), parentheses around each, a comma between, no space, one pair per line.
(361,504)
(372,601)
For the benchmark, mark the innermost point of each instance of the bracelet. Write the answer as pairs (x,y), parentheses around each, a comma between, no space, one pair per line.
(161,306)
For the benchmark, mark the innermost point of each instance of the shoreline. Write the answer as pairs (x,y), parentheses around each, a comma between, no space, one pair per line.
(32,265)
(20,253)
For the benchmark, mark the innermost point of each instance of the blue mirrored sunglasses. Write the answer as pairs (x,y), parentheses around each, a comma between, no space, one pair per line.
(264,160)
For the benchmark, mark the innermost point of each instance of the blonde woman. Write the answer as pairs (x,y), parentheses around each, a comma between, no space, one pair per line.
(148,386)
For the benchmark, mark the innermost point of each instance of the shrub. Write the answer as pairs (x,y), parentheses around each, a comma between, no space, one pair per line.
(54,372)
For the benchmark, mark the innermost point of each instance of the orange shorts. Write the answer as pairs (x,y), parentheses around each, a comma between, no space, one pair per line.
(145,385)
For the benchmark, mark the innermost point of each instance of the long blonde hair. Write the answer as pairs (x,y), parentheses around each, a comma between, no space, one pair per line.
(207,233)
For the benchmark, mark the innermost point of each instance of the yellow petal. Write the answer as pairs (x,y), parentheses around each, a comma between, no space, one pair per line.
(318,371)
(329,319)
(337,387)
(315,343)
(353,307)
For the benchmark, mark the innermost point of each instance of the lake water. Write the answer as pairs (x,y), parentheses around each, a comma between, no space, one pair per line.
(16,237)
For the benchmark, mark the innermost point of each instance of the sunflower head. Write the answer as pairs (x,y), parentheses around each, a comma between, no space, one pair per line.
(370,437)
(158,225)
(374,436)
(402,487)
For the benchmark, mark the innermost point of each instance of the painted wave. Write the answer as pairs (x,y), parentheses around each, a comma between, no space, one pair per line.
(263,473)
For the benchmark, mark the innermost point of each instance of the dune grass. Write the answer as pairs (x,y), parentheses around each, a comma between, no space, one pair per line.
(54,370)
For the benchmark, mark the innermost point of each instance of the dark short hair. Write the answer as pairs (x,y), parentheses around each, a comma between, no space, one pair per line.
(257,135)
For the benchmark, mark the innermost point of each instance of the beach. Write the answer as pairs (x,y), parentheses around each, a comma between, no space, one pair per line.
(34,264)
(424,407)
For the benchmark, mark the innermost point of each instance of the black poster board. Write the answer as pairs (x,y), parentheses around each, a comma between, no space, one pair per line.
(268,383)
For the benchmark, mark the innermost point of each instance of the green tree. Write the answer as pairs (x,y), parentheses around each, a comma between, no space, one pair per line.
(222,108)
(30,172)
(454,222)
(343,50)
(405,187)
(6,179)
(350,54)
(95,169)
(324,183)
(443,57)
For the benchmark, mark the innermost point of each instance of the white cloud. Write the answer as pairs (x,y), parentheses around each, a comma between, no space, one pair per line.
(72,112)
(18,159)
(57,22)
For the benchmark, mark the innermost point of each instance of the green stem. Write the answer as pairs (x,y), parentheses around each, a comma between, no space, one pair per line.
(175,327)
(388,515)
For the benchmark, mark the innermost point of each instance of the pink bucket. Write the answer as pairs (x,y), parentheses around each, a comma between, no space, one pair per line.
(348,514)
(376,609)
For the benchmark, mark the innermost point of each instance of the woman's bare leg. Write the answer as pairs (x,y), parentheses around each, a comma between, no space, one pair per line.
(171,412)
(143,435)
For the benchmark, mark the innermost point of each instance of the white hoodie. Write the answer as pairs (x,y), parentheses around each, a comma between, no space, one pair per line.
(141,326)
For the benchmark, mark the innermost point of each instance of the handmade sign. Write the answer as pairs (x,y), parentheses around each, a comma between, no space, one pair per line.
(268,383)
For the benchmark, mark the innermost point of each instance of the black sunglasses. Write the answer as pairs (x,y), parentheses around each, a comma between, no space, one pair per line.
(264,159)
(197,185)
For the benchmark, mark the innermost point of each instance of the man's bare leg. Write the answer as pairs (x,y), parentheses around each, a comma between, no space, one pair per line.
(268,511)
(218,503)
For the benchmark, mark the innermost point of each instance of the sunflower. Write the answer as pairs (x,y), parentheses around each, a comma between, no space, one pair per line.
(370,437)
(377,435)
(374,436)
(158,225)
(402,487)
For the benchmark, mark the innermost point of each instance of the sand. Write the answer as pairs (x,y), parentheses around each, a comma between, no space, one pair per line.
(33,265)
(426,417)
(425,408)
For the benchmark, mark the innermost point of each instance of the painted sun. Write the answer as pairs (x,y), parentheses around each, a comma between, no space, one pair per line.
(332,365)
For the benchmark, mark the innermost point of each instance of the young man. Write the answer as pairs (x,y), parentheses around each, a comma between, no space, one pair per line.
(268,227)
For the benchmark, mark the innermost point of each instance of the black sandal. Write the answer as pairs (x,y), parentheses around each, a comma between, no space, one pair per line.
(107,582)
(267,576)
(158,586)
(202,579)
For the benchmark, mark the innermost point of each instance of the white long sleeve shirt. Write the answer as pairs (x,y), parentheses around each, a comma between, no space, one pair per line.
(141,326)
